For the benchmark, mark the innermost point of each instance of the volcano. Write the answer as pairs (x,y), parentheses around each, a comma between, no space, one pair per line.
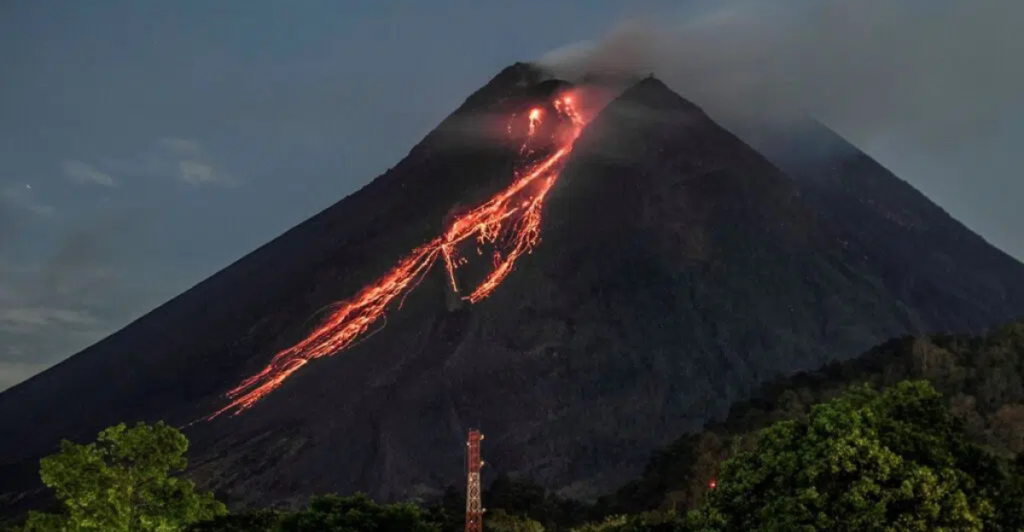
(954,279)
(582,279)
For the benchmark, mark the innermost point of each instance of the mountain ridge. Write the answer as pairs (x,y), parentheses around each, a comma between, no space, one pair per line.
(497,89)
(678,268)
(864,200)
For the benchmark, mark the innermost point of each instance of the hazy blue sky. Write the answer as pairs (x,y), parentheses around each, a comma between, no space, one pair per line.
(145,145)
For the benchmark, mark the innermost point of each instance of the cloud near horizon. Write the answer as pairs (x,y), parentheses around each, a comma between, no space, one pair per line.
(179,159)
(193,164)
(84,173)
(22,198)
(30,319)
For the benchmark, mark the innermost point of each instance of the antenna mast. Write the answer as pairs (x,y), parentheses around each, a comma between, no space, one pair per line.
(474,506)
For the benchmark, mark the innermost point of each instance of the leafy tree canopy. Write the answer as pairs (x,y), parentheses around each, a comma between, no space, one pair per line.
(252,521)
(866,461)
(648,522)
(501,521)
(123,482)
(357,513)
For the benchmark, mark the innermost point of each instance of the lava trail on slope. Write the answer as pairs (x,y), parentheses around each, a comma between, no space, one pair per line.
(509,223)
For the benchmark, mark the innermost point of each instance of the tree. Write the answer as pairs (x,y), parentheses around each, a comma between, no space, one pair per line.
(254,521)
(450,511)
(647,522)
(357,513)
(865,461)
(1008,426)
(609,524)
(501,521)
(123,482)
(523,497)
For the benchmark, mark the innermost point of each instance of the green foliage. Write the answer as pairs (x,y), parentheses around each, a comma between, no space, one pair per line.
(330,513)
(256,521)
(865,461)
(648,522)
(501,521)
(980,377)
(449,513)
(357,513)
(527,499)
(675,477)
(816,451)
(610,524)
(123,482)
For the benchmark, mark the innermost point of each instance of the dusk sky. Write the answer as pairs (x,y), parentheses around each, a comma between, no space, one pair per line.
(145,145)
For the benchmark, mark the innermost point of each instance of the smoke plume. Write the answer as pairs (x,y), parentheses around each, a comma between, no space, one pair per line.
(937,71)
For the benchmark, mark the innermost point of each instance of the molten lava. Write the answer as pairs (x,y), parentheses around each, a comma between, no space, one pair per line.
(534,121)
(509,222)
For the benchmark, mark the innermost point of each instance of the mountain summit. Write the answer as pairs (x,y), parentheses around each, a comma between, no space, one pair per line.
(676,269)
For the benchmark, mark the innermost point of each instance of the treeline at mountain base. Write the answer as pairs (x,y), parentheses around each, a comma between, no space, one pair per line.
(917,434)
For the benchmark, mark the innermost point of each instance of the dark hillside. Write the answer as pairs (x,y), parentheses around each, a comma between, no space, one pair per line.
(678,269)
(982,378)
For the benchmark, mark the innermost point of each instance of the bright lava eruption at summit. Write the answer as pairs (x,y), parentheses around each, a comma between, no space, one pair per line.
(509,222)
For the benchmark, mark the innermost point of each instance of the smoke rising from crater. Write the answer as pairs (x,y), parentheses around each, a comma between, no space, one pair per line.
(937,71)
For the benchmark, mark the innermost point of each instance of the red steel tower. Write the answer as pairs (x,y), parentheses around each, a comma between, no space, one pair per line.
(474,506)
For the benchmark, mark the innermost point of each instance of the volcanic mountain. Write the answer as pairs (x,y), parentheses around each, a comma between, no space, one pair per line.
(676,269)
(954,279)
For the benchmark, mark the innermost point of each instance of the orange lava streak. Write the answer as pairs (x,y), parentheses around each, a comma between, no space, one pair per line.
(515,213)
(534,120)
(346,325)
(528,234)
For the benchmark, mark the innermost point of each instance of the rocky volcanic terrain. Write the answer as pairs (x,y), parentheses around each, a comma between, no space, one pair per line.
(678,269)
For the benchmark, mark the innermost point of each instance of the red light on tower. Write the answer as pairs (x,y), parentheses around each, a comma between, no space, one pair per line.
(474,505)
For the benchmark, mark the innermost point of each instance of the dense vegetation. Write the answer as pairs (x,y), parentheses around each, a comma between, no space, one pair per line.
(356,513)
(980,377)
(918,434)
(122,482)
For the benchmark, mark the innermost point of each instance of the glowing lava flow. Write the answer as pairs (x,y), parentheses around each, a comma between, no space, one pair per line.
(513,217)
(534,121)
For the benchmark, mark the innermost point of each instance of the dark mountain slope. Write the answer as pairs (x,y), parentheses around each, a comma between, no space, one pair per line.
(982,378)
(171,362)
(197,343)
(678,269)
(953,278)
